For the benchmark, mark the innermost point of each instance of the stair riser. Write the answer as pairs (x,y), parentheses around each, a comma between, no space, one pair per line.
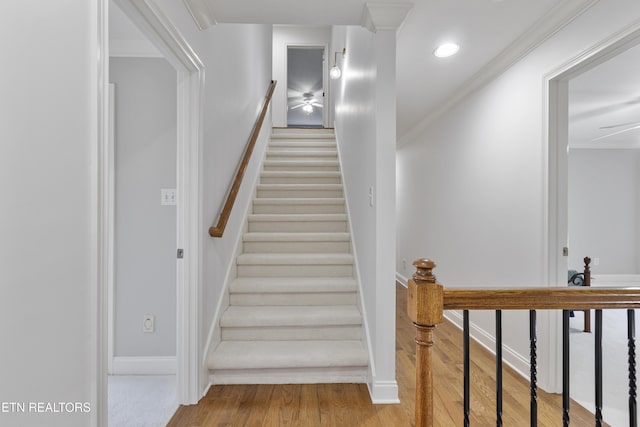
(298,226)
(287,194)
(295,270)
(292,333)
(301,167)
(299,209)
(296,247)
(309,298)
(351,375)
(299,180)
(300,146)
(304,156)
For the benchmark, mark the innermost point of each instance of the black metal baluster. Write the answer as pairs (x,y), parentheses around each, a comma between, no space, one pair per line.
(598,351)
(498,368)
(533,352)
(565,368)
(465,330)
(631,343)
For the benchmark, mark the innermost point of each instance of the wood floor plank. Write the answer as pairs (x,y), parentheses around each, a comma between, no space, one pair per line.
(317,405)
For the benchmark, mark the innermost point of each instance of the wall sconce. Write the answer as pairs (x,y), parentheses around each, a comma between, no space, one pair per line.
(335,72)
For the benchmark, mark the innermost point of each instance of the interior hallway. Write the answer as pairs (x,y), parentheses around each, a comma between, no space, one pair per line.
(349,404)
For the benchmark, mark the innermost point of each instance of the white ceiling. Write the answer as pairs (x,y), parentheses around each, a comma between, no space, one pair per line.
(604,104)
(492,34)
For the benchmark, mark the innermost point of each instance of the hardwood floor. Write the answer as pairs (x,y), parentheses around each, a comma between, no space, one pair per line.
(312,405)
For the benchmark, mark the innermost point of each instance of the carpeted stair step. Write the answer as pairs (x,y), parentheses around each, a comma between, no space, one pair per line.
(272,323)
(299,190)
(295,223)
(304,291)
(296,242)
(301,165)
(302,145)
(279,205)
(298,177)
(294,265)
(301,155)
(256,355)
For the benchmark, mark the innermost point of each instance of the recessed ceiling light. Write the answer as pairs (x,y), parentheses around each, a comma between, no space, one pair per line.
(446,49)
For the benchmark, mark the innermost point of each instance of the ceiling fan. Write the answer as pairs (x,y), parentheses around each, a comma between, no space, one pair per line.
(307,103)
(627,127)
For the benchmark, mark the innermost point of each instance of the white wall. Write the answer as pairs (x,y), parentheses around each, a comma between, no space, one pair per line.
(282,37)
(472,186)
(365,128)
(48,294)
(145,230)
(603,209)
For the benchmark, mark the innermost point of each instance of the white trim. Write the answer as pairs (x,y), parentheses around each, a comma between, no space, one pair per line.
(384,16)
(384,393)
(145,365)
(548,25)
(201,13)
(402,280)
(555,110)
(110,231)
(325,78)
(509,356)
(102,215)
(615,280)
(164,35)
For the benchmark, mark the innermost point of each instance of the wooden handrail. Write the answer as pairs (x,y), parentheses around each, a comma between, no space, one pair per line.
(218,229)
(426,301)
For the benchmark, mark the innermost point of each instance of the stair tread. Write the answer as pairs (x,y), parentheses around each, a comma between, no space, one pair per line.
(295,237)
(298,174)
(298,200)
(294,258)
(293,284)
(287,354)
(298,217)
(299,186)
(290,315)
(318,162)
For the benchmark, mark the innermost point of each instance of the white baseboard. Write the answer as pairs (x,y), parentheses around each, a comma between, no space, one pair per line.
(618,280)
(384,392)
(402,280)
(512,358)
(158,365)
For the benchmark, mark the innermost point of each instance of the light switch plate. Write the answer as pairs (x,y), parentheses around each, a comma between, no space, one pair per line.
(168,197)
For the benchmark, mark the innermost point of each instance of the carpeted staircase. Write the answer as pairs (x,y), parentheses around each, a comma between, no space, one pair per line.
(293,313)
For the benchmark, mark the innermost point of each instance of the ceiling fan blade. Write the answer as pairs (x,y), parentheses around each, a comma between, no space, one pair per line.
(619,125)
(315,104)
(297,106)
(616,133)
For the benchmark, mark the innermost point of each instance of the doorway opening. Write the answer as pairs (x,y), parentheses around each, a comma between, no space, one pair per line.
(305,86)
(593,193)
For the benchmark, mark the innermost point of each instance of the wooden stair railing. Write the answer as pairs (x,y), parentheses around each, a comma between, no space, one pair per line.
(225,213)
(427,299)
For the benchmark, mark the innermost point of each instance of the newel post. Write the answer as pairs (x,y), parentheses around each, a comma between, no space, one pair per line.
(425,309)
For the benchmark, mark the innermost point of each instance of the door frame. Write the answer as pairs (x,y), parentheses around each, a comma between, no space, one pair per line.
(150,19)
(325,78)
(556,103)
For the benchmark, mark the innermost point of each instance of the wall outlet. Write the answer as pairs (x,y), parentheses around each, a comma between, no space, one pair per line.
(148,323)
(596,261)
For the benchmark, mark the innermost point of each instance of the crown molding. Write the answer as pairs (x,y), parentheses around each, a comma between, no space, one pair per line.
(384,16)
(544,28)
(201,13)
